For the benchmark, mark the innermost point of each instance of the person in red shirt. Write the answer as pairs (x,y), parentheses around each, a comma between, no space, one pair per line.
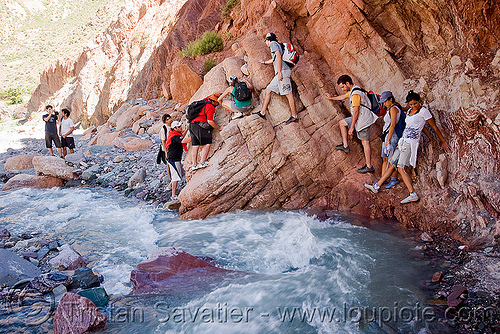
(201,133)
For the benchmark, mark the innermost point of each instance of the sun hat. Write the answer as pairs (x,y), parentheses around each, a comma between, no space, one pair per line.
(175,124)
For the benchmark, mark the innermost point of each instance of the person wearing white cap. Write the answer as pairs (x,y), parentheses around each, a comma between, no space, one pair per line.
(175,147)
(241,91)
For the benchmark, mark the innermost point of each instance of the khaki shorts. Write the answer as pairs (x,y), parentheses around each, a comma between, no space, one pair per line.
(401,156)
(283,87)
(363,134)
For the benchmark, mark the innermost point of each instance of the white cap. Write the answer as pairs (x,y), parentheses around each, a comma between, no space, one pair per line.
(175,124)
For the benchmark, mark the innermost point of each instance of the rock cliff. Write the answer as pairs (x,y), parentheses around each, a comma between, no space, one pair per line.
(446,50)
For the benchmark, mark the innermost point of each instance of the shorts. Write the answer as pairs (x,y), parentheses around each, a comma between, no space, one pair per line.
(401,156)
(176,171)
(68,142)
(199,136)
(363,134)
(393,144)
(283,87)
(52,137)
(240,109)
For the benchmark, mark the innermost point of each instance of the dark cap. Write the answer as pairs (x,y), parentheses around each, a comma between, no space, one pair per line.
(271,37)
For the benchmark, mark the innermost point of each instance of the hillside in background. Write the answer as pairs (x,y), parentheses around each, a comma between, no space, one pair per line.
(33,33)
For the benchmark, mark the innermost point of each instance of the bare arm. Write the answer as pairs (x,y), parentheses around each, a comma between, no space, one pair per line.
(355,115)
(69,132)
(249,84)
(214,125)
(394,117)
(336,98)
(432,123)
(226,92)
(186,139)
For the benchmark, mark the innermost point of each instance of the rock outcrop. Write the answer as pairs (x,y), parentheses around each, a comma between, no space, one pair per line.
(447,51)
(169,269)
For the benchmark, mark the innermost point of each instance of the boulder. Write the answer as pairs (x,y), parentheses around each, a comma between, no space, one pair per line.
(77,314)
(19,162)
(90,130)
(119,142)
(47,282)
(213,82)
(14,268)
(167,268)
(4,233)
(74,158)
(67,259)
(85,278)
(184,82)
(53,166)
(127,119)
(90,173)
(114,118)
(137,144)
(107,138)
(137,178)
(97,295)
(32,181)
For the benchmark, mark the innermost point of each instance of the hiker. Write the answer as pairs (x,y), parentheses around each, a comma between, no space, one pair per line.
(66,132)
(200,128)
(281,83)
(406,152)
(166,119)
(394,123)
(361,120)
(51,133)
(175,148)
(241,92)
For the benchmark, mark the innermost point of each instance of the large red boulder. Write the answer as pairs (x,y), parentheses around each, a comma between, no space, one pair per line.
(53,166)
(19,162)
(77,314)
(167,269)
(32,181)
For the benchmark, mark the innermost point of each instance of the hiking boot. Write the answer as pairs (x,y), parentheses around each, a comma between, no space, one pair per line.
(237,115)
(365,169)
(392,183)
(259,114)
(291,119)
(412,198)
(372,187)
(341,147)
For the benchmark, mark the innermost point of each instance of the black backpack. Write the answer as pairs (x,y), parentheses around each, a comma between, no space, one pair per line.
(242,92)
(194,109)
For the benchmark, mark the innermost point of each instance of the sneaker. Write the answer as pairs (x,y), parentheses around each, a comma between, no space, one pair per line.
(237,115)
(392,183)
(372,187)
(197,166)
(259,114)
(203,164)
(412,198)
(291,119)
(174,198)
(365,169)
(341,147)
(169,187)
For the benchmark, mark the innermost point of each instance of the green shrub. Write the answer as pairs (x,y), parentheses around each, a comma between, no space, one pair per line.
(210,42)
(14,95)
(228,8)
(208,65)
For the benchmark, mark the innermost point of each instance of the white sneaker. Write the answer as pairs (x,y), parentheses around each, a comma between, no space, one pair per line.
(412,198)
(197,166)
(174,198)
(371,187)
(237,115)
(204,164)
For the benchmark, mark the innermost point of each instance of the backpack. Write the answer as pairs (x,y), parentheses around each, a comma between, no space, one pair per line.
(241,92)
(290,55)
(400,126)
(375,106)
(194,109)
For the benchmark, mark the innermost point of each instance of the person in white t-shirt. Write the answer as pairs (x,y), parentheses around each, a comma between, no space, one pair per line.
(66,132)
(406,152)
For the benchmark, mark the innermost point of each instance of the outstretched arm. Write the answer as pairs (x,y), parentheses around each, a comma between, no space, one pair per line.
(336,98)
(432,123)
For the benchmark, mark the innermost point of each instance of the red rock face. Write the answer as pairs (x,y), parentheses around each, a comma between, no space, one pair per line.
(32,181)
(77,314)
(445,50)
(168,269)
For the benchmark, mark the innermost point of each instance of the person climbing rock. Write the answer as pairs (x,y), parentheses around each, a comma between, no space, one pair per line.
(281,83)
(175,148)
(361,120)
(406,152)
(241,93)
